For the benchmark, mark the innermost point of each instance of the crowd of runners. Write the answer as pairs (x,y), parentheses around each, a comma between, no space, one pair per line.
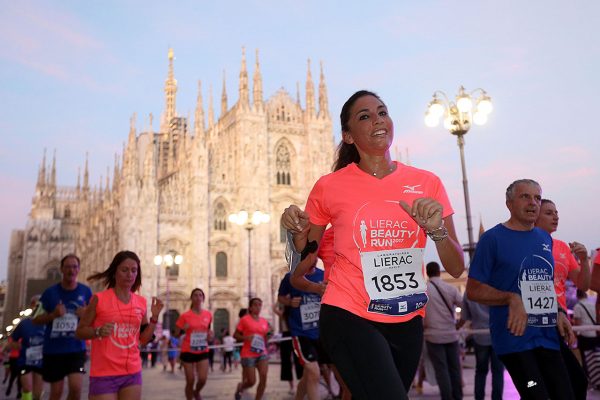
(363,318)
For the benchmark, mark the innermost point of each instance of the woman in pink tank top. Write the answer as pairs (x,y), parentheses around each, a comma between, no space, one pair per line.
(195,323)
(116,320)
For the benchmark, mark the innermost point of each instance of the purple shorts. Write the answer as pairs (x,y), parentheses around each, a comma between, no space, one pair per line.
(112,384)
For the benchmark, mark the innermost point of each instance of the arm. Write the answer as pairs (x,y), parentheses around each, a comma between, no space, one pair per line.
(239,336)
(427,213)
(298,222)
(42,317)
(485,294)
(148,332)
(298,278)
(84,328)
(450,251)
(581,276)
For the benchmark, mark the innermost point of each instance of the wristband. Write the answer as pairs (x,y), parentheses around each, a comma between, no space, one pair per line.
(97,332)
(153,320)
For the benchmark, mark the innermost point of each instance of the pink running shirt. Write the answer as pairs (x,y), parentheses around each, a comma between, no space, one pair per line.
(378,273)
(196,335)
(564,263)
(119,353)
(326,253)
(257,346)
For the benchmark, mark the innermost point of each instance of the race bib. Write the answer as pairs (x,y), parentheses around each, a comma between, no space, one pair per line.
(257,345)
(309,315)
(33,355)
(539,299)
(394,280)
(64,326)
(198,341)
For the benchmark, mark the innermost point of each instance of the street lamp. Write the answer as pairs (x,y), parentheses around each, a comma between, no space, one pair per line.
(171,259)
(458,117)
(241,218)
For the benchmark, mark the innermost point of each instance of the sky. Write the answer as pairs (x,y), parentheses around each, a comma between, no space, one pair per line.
(72,74)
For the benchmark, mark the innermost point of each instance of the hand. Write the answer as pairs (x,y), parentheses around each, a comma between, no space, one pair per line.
(565,329)
(186,326)
(295,220)
(425,211)
(321,286)
(156,307)
(60,310)
(579,250)
(106,329)
(517,317)
(295,302)
(80,311)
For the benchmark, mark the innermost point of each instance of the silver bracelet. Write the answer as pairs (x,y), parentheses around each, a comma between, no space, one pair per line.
(438,237)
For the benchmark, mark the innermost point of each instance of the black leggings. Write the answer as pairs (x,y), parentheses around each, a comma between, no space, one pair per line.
(539,374)
(376,360)
(579,381)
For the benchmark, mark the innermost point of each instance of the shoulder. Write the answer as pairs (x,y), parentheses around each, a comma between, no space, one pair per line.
(84,288)
(413,172)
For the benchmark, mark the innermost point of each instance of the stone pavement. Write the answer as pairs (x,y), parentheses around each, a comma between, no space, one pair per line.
(161,385)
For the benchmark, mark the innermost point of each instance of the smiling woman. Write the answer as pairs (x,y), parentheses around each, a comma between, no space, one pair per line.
(119,315)
(382,213)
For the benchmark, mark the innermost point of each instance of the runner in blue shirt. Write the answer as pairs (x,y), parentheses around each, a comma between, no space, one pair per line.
(60,308)
(30,338)
(513,272)
(303,320)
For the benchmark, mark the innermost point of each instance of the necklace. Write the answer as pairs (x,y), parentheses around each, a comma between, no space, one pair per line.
(389,170)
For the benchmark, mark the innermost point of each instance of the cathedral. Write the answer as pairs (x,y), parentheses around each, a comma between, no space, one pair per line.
(171,194)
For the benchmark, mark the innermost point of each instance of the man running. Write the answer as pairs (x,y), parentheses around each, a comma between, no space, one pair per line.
(60,308)
(513,272)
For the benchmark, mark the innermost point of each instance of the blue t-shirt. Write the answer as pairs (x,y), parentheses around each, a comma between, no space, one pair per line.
(303,320)
(519,262)
(32,343)
(60,332)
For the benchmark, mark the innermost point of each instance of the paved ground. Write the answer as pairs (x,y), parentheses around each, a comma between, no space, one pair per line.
(160,385)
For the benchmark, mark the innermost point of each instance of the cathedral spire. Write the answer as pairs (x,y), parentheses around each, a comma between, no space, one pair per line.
(42,173)
(223,98)
(86,174)
(78,179)
(116,169)
(53,172)
(132,133)
(199,115)
(170,90)
(211,111)
(298,93)
(323,102)
(257,93)
(310,93)
(243,100)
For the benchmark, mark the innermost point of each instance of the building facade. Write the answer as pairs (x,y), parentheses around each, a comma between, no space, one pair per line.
(172,191)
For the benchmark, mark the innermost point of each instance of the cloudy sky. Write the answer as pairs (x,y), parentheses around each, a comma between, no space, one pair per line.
(74,72)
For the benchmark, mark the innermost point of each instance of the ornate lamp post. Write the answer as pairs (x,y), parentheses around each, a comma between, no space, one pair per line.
(171,259)
(458,118)
(241,218)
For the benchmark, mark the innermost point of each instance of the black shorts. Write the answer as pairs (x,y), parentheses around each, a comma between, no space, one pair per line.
(307,350)
(56,367)
(193,357)
(25,369)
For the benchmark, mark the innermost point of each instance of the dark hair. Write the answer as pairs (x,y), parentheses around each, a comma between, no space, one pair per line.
(347,152)
(252,300)
(108,276)
(243,311)
(433,269)
(197,290)
(70,255)
(546,201)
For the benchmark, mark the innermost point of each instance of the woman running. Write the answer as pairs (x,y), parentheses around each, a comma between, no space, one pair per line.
(195,323)
(116,320)
(254,331)
(382,212)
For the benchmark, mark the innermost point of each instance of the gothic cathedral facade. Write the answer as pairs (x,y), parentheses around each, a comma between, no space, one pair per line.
(172,192)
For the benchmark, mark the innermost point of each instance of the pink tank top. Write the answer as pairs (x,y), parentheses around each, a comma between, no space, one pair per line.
(117,354)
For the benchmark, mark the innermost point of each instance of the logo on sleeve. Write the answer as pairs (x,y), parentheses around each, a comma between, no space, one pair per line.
(546,247)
